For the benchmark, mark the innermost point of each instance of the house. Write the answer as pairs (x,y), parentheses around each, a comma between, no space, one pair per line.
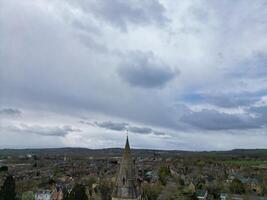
(202,194)
(151,176)
(224,196)
(43,195)
(57,194)
(191,188)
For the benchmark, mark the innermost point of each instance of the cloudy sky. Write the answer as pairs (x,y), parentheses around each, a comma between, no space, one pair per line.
(189,75)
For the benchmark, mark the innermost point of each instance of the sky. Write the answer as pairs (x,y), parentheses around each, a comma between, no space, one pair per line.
(185,75)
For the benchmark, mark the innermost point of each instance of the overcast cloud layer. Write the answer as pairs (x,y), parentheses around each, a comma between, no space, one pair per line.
(188,75)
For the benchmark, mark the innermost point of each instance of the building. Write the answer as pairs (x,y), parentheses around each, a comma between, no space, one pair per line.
(43,195)
(202,194)
(57,193)
(126,182)
(225,196)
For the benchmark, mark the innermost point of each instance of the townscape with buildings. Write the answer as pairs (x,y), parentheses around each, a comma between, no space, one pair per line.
(148,176)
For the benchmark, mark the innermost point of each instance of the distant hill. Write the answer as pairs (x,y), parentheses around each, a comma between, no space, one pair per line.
(139,152)
(82,151)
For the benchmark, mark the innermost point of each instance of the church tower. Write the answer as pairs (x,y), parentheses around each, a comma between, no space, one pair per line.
(126,182)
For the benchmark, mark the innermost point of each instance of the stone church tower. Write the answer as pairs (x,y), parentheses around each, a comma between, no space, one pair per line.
(126,182)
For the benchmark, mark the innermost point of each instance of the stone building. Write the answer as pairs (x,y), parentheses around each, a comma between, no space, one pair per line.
(126,182)
(43,195)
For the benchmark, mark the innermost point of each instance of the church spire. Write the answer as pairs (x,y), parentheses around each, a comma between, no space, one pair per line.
(126,182)
(127,149)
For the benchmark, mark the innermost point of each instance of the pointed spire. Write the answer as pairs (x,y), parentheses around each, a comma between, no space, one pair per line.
(126,182)
(127,149)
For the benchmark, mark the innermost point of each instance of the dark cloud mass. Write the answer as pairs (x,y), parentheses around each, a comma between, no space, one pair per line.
(145,71)
(112,125)
(141,130)
(117,126)
(228,100)
(214,120)
(231,101)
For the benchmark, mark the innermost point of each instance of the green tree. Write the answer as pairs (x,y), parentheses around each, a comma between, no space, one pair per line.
(237,187)
(194,196)
(170,192)
(66,194)
(152,192)
(164,173)
(27,196)
(4,169)
(105,190)
(263,189)
(78,193)
(214,190)
(7,191)
(90,183)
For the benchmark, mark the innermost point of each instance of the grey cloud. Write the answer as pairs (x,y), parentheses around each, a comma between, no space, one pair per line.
(10,111)
(262,110)
(72,79)
(230,100)
(118,126)
(85,27)
(91,43)
(60,131)
(251,69)
(214,120)
(141,130)
(87,123)
(121,13)
(145,130)
(112,125)
(225,99)
(261,113)
(159,133)
(145,71)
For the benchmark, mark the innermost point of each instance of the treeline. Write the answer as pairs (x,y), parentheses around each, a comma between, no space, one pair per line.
(8,191)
